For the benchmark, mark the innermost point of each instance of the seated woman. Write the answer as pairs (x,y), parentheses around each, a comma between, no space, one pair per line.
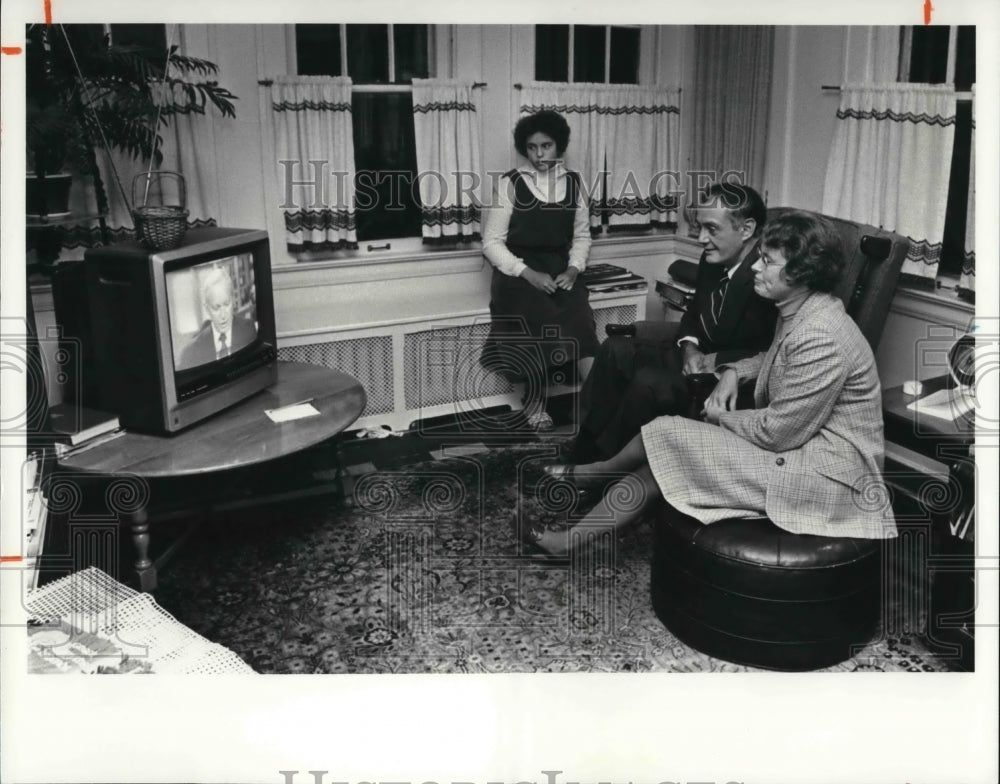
(537,237)
(809,456)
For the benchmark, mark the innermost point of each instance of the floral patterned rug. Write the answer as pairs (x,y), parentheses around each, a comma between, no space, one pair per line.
(418,570)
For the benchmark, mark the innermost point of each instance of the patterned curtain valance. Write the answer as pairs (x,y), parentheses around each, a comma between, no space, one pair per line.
(187,149)
(624,143)
(642,131)
(446,131)
(890,156)
(314,147)
(579,104)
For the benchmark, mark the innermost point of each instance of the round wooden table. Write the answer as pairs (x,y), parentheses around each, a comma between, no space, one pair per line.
(238,437)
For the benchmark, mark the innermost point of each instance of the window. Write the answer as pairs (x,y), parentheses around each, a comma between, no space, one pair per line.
(937,54)
(151,37)
(380,59)
(608,54)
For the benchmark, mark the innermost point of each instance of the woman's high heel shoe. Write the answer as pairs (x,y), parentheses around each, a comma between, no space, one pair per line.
(567,473)
(563,472)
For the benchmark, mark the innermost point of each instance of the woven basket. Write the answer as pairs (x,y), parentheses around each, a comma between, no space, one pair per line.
(159,226)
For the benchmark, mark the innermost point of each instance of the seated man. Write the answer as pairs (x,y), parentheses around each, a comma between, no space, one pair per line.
(635,380)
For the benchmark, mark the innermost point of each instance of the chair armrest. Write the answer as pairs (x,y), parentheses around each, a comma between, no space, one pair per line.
(652,331)
(625,330)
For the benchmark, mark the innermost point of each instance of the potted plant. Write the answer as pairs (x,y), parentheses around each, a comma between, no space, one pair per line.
(83,92)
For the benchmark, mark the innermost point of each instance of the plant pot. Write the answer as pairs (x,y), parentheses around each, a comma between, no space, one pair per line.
(47,196)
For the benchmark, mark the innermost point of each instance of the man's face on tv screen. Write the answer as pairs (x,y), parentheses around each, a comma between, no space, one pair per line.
(220,307)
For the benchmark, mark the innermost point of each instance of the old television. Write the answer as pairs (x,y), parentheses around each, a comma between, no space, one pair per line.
(178,335)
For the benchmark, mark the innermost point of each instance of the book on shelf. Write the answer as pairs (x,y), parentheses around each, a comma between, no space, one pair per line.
(74,425)
(65,449)
(34,515)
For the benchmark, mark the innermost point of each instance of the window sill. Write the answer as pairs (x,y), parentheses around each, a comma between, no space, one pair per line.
(937,306)
(944,292)
(422,261)
(372,267)
(410,250)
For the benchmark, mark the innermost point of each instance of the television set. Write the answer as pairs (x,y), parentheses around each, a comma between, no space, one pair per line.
(179,335)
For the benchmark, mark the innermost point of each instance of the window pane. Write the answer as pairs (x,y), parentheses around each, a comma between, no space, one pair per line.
(552,53)
(588,53)
(965,58)
(318,49)
(82,37)
(385,156)
(151,36)
(624,55)
(368,53)
(929,54)
(953,244)
(410,44)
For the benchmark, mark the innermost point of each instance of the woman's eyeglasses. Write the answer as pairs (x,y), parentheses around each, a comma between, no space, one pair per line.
(767,262)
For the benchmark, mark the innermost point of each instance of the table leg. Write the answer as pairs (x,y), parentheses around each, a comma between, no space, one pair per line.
(145,569)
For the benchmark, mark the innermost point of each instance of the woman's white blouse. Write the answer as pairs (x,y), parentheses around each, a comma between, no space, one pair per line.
(547,189)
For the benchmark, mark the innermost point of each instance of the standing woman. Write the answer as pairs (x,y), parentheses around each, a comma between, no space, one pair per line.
(537,237)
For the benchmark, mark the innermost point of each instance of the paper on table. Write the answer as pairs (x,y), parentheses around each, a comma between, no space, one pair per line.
(288,413)
(950,404)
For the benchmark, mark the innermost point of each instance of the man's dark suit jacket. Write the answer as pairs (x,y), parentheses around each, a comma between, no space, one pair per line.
(746,324)
(202,349)
(634,380)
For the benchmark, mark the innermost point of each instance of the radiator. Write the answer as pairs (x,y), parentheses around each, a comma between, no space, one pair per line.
(425,369)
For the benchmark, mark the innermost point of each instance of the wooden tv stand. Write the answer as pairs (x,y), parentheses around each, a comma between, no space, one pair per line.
(237,438)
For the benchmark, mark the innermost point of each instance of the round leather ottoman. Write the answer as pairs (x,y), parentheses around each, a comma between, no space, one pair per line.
(748,592)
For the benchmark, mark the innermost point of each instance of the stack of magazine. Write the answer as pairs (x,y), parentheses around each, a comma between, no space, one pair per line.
(76,428)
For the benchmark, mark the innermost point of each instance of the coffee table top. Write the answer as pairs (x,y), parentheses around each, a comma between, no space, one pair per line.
(239,436)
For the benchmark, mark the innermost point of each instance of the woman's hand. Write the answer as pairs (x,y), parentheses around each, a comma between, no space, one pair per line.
(539,280)
(723,397)
(567,278)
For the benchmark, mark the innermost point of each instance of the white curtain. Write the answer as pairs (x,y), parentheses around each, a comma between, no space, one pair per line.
(967,280)
(890,163)
(580,104)
(314,148)
(641,126)
(446,130)
(188,150)
(731,99)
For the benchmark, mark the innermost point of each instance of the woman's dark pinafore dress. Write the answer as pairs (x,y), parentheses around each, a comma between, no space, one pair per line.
(533,332)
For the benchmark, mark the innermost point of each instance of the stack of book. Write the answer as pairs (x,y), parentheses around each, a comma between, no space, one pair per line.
(602,278)
(76,428)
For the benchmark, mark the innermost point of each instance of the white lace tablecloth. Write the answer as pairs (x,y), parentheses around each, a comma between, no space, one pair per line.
(90,623)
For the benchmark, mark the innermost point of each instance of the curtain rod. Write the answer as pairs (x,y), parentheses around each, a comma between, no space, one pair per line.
(475,85)
(519,86)
(965,95)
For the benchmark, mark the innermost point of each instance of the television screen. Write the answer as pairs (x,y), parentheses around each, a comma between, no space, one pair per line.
(178,335)
(212,310)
